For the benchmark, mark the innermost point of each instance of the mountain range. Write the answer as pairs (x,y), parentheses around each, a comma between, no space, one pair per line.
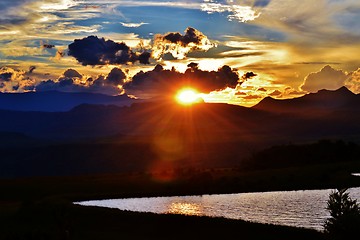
(322,101)
(54,101)
(145,134)
(323,114)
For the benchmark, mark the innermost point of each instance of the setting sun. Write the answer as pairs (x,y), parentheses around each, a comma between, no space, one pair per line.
(187,96)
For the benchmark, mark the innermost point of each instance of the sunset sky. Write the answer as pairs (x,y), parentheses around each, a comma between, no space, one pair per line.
(240,50)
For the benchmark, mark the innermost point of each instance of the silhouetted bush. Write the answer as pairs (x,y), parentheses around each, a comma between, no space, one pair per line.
(345,216)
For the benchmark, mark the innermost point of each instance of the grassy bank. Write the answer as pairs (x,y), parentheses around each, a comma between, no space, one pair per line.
(40,207)
(55,220)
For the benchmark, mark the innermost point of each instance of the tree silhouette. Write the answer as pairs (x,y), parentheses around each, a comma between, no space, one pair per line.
(345,216)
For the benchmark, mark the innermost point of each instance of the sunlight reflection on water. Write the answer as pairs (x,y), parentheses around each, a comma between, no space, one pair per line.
(185,208)
(292,208)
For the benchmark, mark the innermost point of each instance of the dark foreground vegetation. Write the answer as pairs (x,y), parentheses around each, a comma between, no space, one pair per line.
(40,207)
(51,220)
(345,216)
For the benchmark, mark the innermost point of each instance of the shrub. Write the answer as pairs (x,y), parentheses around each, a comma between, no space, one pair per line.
(344,220)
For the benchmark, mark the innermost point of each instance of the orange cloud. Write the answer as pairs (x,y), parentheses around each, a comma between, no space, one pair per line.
(353,82)
(327,78)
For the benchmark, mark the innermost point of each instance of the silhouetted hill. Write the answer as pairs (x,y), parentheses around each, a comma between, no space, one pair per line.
(159,134)
(326,114)
(53,101)
(323,100)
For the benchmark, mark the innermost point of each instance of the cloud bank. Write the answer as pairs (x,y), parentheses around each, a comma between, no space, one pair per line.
(327,78)
(162,82)
(157,82)
(95,51)
(73,81)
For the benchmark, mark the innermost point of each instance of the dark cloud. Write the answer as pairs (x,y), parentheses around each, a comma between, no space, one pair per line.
(29,87)
(193,66)
(144,58)
(191,36)
(98,51)
(66,82)
(116,77)
(179,45)
(48,46)
(7,73)
(163,82)
(32,68)
(46,86)
(65,85)
(73,81)
(71,73)
(262,89)
(69,78)
(69,85)
(5,76)
(16,87)
(248,75)
(13,80)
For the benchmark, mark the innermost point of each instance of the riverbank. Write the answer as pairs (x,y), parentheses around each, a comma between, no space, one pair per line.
(40,207)
(61,220)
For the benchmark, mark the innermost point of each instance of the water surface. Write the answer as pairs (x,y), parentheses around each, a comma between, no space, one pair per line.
(291,208)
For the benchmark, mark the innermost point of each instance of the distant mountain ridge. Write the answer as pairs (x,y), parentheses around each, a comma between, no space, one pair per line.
(313,116)
(54,101)
(144,134)
(323,100)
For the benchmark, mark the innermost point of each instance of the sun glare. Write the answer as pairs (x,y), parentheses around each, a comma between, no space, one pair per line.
(185,208)
(187,96)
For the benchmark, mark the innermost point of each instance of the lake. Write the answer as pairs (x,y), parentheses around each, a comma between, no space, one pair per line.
(306,208)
